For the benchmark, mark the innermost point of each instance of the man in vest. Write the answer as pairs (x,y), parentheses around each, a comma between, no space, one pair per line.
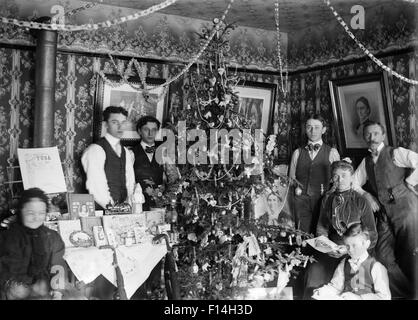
(311,166)
(148,172)
(393,193)
(108,165)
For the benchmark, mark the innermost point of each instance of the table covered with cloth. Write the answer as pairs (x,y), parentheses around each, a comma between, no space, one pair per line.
(135,262)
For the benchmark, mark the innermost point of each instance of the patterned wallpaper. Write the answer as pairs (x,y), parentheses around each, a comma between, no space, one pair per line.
(75,74)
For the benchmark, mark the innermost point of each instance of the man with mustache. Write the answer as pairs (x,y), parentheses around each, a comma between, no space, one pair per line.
(394,198)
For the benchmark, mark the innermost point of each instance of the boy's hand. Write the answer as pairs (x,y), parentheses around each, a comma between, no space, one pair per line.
(350,296)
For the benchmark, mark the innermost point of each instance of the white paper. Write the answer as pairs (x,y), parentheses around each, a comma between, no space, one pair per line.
(322,244)
(41,168)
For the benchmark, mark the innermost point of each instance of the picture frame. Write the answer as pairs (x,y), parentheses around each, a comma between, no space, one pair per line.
(356,100)
(132,100)
(256,100)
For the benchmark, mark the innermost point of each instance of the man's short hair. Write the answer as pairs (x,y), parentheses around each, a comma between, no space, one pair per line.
(144,120)
(113,109)
(316,116)
(356,229)
(373,123)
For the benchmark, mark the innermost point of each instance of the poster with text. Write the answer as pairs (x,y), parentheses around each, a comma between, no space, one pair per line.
(41,168)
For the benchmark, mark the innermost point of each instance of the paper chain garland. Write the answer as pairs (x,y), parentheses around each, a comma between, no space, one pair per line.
(283,79)
(218,22)
(77,10)
(89,26)
(365,50)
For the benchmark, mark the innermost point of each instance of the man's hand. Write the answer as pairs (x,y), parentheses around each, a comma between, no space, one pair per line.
(350,296)
(412,188)
(372,201)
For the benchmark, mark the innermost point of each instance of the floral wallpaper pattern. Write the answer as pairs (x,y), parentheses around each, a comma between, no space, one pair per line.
(74,95)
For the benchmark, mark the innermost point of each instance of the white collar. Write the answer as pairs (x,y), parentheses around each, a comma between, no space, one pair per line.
(379,148)
(360,260)
(320,142)
(144,145)
(111,139)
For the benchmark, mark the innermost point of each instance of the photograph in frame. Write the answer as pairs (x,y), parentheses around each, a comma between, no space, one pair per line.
(357,101)
(256,101)
(137,103)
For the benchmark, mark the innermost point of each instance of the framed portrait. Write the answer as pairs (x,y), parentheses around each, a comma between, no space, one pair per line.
(355,101)
(272,207)
(256,101)
(137,104)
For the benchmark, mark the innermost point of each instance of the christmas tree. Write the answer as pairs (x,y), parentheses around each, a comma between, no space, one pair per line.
(223,251)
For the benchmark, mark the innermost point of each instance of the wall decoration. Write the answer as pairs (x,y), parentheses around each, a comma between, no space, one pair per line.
(256,103)
(136,102)
(357,100)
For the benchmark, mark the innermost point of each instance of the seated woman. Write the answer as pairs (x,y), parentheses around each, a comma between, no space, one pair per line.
(341,207)
(28,251)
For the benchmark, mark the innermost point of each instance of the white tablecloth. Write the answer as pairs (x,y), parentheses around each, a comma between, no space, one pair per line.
(135,262)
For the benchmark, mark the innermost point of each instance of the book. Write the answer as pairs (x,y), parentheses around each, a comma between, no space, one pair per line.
(322,244)
(87,224)
(80,205)
(66,228)
(124,229)
(99,236)
(155,217)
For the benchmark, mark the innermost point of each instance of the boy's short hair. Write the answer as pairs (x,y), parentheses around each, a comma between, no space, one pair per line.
(113,109)
(356,229)
(342,164)
(144,120)
(317,116)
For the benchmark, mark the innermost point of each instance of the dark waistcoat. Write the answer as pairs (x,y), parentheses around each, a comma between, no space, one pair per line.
(146,170)
(115,170)
(361,281)
(385,178)
(314,173)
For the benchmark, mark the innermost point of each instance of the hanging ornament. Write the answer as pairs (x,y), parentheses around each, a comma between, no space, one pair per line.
(298,191)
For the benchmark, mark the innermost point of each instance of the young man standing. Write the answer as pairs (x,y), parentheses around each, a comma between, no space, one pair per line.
(148,172)
(108,165)
(393,194)
(310,165)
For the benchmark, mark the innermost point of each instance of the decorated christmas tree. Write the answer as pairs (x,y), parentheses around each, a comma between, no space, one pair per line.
(223,250)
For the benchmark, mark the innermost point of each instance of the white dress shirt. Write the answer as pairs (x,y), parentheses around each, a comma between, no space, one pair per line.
(379,276)
(93,161)
(149,155)
(333,156)
(403,158)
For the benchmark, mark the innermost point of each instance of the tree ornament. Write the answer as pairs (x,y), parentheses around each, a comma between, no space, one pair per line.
(298,191)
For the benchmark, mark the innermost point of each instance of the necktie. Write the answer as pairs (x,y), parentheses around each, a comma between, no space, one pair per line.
(313,147)
(150,149)
(354,264)
(374,154)
(118,149)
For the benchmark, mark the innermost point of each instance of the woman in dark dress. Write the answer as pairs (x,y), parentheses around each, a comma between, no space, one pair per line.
(31,255)
(341,207)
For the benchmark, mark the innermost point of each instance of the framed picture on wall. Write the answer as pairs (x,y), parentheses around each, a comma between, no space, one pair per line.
(355,101)
(154,102)
(256,103)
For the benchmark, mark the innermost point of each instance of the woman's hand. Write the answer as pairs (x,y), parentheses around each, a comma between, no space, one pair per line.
(338,252)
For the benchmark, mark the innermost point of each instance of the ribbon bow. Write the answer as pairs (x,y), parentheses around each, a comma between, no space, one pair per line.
(312,147)
(150,149)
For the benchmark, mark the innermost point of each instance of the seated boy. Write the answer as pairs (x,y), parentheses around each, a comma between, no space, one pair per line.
(359,277)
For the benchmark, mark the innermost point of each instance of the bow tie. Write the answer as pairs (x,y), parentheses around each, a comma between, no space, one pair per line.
(312,147)
(150,149)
